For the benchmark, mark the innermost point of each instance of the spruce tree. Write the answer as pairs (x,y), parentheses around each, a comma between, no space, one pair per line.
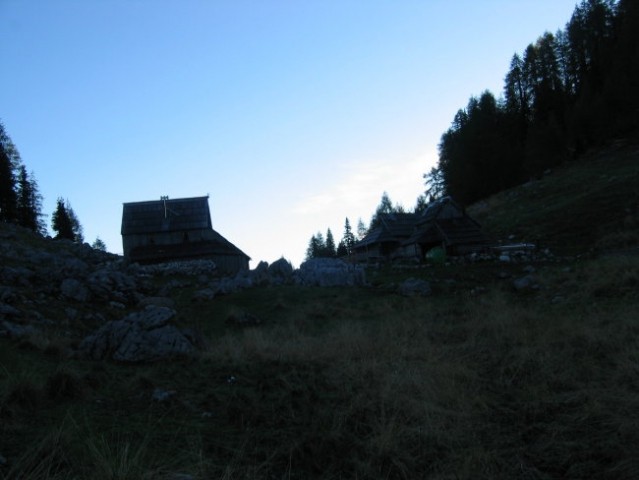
(341,249)
(78,234)
(385,206)
(29,205)
(329,246)
(98,244)
(348,240)
(8,197)
(65,222)
(316,247)
(361,229)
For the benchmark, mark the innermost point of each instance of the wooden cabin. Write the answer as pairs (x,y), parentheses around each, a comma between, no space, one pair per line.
(176,229)
(445,224)
(383,242)
(409,236)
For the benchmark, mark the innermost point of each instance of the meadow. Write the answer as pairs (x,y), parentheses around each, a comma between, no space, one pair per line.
(354,383)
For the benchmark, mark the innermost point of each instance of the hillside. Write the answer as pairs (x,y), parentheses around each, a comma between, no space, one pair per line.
(524,369)
(587,205)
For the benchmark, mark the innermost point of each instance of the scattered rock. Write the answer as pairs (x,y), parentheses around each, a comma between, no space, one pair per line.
(330,272)
(139,337)
(3,461)
(525,283)
(281,270)
(529,269)
(185,267)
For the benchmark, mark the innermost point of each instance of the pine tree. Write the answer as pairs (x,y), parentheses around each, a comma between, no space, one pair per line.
(341,249)
(60,221)
(434,181)
(29,205)
(421,204)
(98,244)
(330,249)
(361,229)
(385,206)
(8,197)
(78,233)
(65,222)
(348,239)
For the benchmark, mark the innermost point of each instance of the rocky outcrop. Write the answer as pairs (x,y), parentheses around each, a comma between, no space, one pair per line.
(280,271)
(144,336)
(330,272)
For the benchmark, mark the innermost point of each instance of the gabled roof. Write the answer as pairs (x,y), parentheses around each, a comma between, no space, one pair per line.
(443,207)
(446,221)
(453,231)
(393,227)
(178,214)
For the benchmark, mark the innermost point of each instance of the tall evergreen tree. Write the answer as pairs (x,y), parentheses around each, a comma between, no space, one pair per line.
(65,222)
(435,185)
(330,248)
(78,232)
(341,249)
(8,193)
(316,246)
(98,244)
(385,206)
(348,239)
(421,204)
(361,229)
(8,196)
(29,202)
(60,221)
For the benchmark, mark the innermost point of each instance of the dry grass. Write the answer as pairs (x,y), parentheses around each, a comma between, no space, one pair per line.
(357,384)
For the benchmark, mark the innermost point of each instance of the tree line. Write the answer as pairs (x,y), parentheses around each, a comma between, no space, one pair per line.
(567,92)
(21,201)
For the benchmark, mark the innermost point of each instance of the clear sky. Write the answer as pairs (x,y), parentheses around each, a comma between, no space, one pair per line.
(291,114)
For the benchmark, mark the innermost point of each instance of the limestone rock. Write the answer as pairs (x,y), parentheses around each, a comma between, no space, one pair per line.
(281,269)
(330,272)
(139,337)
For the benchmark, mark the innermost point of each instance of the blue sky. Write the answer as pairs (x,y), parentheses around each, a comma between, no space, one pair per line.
(291,115)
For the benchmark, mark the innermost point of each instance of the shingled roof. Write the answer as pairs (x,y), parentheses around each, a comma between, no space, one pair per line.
(393,227)
(165,215)
(446,221)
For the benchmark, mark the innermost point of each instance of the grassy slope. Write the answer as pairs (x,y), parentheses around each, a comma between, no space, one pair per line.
(363,383)
(579,206)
